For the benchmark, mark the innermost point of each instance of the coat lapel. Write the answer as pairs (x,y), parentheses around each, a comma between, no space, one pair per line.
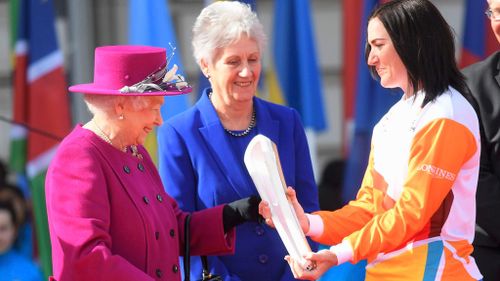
(266,125)
(497,76)
(218,145)
(215,138)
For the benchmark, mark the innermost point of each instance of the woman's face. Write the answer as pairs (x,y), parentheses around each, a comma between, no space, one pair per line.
(235,71)
(139,123)
(384,58)
(7,231)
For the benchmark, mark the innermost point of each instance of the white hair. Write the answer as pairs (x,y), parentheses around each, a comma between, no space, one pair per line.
(106,103)
(222,23)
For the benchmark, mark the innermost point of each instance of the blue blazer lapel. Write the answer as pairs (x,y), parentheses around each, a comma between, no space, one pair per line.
(215,138)
(266,125)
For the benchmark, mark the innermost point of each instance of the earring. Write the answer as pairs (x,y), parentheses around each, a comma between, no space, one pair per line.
(121,117)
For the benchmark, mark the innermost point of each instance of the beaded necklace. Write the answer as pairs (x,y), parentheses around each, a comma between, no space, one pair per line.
(101,133)
(244,132)
(133,148)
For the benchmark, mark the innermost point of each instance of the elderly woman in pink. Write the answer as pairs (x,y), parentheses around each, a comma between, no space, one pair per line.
(109,216)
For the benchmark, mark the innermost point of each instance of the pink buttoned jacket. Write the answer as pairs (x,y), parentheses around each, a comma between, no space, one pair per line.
(110,218)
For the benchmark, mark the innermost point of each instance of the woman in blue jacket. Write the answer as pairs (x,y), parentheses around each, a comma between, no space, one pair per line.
(201,150)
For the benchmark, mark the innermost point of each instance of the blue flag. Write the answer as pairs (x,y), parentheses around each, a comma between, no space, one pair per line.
(295,64)
(150,23)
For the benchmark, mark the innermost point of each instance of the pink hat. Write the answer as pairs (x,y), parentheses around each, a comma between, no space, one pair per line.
(133,71)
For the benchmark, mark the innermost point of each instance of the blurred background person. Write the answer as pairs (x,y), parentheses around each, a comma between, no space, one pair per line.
(12,193)
(13,265)
(330,186)
(201,150)
(484,82)
(23,243)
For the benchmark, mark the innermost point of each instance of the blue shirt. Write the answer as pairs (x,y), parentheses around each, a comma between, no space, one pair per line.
(14,266)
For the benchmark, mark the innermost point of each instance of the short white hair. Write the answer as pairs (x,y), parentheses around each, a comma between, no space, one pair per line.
(222,23)
(105,103)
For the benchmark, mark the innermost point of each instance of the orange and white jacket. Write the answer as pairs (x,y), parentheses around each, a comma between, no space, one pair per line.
(414,215)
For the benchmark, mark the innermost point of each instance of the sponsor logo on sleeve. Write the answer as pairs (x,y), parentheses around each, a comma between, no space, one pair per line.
(436,172)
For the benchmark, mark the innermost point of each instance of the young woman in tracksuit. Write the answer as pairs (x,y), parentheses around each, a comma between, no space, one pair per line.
(414,215)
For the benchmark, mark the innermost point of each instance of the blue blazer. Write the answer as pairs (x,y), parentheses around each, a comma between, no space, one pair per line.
(200,169)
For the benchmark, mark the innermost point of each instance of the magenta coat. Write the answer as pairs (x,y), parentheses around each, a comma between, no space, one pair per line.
(110,218)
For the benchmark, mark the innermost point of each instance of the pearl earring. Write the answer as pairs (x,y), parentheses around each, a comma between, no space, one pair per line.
(121,117)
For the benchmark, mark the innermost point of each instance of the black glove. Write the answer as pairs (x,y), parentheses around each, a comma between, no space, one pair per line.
(240,211)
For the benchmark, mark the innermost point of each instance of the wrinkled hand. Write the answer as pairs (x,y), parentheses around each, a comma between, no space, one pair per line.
(265,210)
(322,260)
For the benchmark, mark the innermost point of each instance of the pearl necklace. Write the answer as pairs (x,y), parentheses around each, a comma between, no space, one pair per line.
(133,148)
(101,133)
(247,130)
